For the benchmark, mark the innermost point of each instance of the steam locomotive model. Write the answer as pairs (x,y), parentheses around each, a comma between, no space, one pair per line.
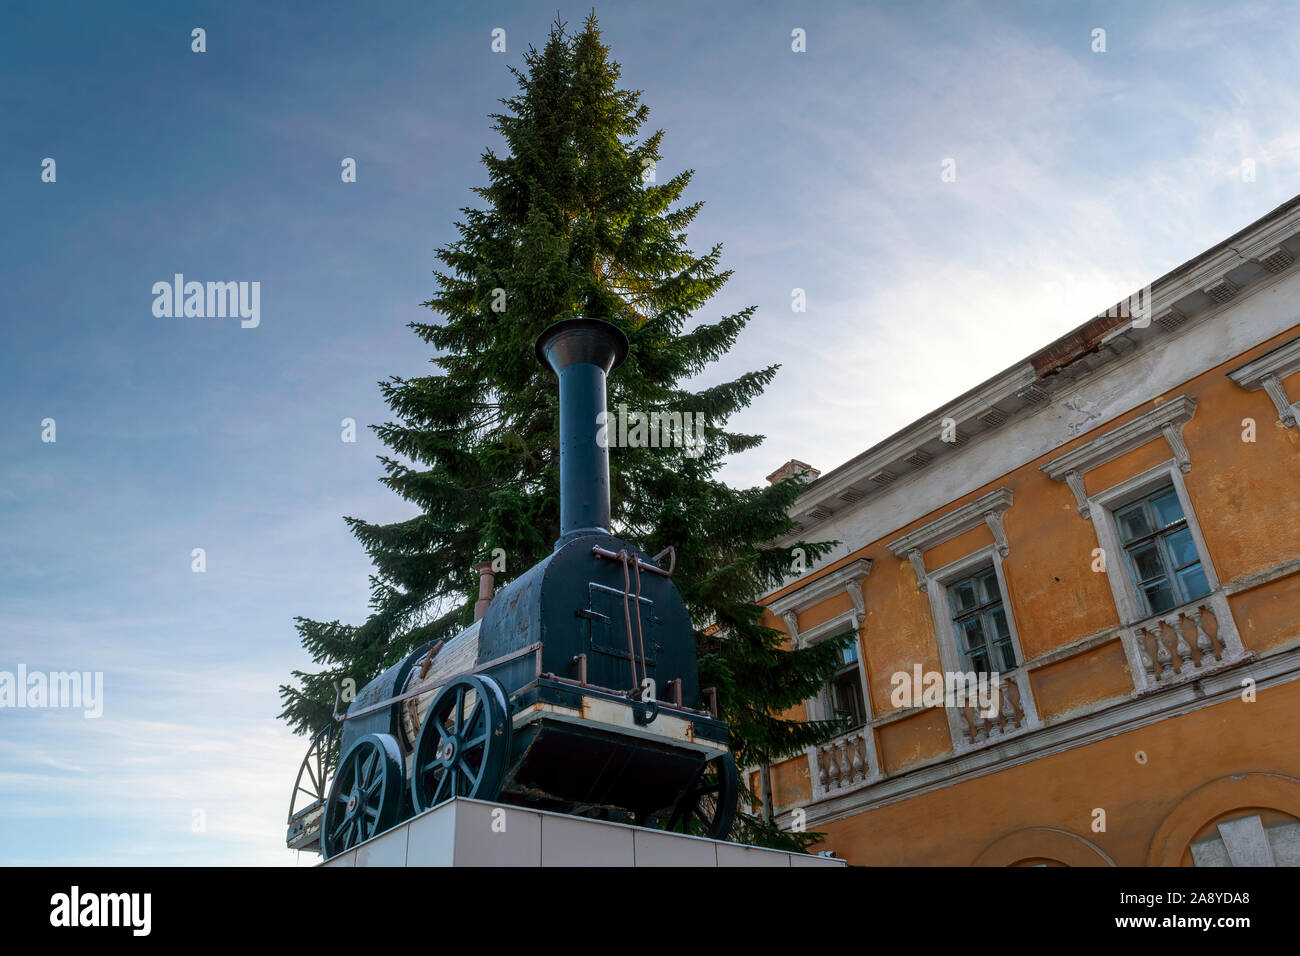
(574,690)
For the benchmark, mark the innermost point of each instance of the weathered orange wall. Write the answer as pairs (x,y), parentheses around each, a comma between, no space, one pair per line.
(1055,595)
(912,740)
(897,626)
(791,783)
(968,542)
(833,605)
(1267,616)
(1078,682)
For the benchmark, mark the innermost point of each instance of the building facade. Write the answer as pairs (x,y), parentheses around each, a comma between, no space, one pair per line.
(1110,531)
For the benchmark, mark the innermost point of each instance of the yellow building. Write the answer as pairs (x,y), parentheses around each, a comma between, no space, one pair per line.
(1111,529)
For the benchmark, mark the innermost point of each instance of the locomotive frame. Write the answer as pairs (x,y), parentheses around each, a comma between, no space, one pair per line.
(525,706)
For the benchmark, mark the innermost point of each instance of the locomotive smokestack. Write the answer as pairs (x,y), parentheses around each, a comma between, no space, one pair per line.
(582,352)
(486,588)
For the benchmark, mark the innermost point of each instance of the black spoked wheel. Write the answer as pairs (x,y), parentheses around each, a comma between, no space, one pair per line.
(312,783)
(311,788)
(464,743)
(708,807)
(365,796)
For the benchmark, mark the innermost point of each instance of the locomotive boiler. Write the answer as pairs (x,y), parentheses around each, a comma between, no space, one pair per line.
(575,689)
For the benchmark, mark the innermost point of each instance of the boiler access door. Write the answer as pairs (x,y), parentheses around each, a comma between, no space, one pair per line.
(611,616)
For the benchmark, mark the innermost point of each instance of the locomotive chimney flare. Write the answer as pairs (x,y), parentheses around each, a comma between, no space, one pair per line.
(582,352)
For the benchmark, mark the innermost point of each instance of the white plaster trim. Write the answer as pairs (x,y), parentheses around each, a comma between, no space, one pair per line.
(1263,311)
(987,510)
(847,579)
(887,455)
(1246,842)
(1167,420)
(1249,582)
(845,621)
(1267,372)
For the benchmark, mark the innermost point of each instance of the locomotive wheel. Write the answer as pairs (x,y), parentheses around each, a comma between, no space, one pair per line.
(365,796)
(464,744)
(316,767)
(708,807)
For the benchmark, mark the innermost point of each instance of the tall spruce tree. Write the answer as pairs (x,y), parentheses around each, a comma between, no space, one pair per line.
(574,226)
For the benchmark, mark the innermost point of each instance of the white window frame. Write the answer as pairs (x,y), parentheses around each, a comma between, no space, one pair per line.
(1103,506)
(1164,421)
(842,748)
(987,510)
(1101,511)
(951,658)
(824,700)
(848,579)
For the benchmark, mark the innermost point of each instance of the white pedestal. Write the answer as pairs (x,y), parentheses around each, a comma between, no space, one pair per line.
(465,832)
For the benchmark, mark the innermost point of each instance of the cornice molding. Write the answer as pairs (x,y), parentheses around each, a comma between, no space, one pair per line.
(847,579)
(1267,372)
(1175,301)
(911,450)
(1167,420)
(986,510)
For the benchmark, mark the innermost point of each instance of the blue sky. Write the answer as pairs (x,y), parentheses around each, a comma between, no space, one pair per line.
(1080,176)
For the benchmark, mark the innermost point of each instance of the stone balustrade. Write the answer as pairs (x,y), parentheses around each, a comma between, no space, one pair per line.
(1185,642)
(845,761)
(1010,717)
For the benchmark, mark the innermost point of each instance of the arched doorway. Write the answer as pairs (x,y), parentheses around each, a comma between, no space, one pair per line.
(1249,819)
(1042,846)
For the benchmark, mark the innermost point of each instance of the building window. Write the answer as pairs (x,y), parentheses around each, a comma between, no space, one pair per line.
(846,697)
(1175,616)
(980,622)
(1160,553)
